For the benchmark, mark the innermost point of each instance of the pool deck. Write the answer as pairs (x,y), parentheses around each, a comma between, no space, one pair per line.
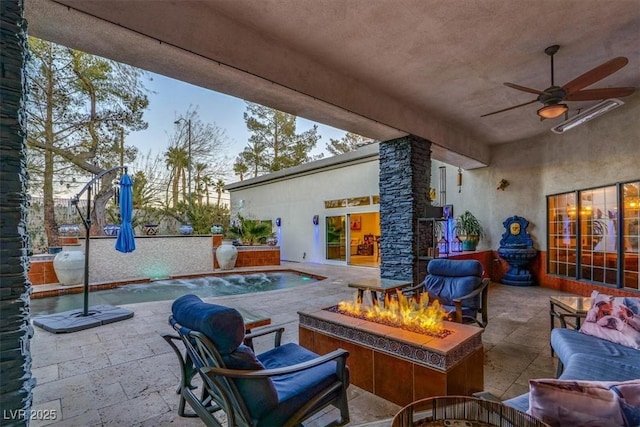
(125,373)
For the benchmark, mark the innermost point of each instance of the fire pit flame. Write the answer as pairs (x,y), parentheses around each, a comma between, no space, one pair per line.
(408,313)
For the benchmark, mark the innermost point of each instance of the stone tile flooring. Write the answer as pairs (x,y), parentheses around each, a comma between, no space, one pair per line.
(125,374)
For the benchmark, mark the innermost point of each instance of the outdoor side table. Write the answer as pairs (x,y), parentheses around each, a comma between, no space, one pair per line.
(386,287)
(562,307)
(450,411)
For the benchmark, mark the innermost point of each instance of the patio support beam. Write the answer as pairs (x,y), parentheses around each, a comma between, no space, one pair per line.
(405,178)
(15,329)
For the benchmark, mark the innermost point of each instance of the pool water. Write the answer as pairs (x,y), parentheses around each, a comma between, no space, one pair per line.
(161,290)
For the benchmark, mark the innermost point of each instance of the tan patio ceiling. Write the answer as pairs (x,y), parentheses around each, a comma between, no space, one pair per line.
(381,68)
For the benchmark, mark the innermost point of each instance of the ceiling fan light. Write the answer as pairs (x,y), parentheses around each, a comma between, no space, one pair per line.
(552,111)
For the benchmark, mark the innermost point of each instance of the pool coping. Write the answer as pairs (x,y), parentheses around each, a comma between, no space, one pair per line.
(54,290)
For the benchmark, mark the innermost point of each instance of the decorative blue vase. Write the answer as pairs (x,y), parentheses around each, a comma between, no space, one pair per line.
(111,229)
(186,229)
(68,230)
(216,229)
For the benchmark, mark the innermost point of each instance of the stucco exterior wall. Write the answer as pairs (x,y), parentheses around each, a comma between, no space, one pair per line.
(598,153)
(603,151)
(296,200)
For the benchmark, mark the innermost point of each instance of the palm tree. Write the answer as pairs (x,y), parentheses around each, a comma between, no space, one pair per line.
(207,181)
(219,186)
(177,159)
(199,169)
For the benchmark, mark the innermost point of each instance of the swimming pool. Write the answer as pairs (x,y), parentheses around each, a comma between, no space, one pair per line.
(161,290)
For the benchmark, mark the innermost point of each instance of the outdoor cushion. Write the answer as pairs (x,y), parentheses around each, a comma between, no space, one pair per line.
(449,279)
(293,390)
(589,367)
(595,368)
(615,319)
(224,326)
(567,342)
(574,403)
(455,268)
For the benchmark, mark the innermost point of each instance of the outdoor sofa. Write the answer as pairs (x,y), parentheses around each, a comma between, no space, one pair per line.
(586,361)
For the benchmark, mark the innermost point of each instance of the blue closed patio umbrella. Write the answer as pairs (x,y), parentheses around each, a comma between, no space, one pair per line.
(126,241)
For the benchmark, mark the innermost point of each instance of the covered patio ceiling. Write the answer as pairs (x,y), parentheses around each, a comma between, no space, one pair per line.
(381,68)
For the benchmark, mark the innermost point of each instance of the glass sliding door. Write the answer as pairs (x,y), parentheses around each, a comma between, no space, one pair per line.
(336,237)
(364,239)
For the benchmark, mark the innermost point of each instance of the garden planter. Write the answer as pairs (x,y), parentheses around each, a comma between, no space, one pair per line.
(186,229)
(150,229)
(226,254)
(111,229)
(69,267)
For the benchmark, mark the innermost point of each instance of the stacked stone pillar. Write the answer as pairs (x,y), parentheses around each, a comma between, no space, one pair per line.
(16,382)
(405,178)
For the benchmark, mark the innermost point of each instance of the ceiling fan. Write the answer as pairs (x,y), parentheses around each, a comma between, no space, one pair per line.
(553,96)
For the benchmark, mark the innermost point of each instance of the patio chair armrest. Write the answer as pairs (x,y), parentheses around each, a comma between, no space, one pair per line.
(339,356)
(277,330)
(413,290)
(474,293)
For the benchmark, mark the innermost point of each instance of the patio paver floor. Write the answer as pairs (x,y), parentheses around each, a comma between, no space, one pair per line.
(125,373)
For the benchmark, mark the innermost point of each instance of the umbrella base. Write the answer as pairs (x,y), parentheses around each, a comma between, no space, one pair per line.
(74,320)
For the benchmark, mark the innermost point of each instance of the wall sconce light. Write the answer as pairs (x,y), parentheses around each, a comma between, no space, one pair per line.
(278,222)
(459,180)
(316,220)
(502,184)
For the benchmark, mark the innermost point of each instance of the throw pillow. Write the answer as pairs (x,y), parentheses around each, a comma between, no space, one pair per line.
(565,403)
(616,319)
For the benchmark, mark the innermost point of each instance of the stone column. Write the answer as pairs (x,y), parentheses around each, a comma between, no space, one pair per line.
(405,178)
(16,331)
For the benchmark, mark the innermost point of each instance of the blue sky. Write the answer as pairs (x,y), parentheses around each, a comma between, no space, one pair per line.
(172,98)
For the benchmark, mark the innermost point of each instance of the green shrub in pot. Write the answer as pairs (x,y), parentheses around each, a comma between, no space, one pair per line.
(469,229)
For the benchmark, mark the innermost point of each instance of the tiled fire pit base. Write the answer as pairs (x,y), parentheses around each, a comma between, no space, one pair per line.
(395,364)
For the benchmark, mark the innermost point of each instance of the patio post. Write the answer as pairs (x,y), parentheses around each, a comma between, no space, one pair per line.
(405,178)
(15,329)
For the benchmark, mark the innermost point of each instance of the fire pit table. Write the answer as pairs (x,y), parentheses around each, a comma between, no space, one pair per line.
(398,364)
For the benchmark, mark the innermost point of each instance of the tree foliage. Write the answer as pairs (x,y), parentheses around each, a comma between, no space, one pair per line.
(274,143)
(349,142)
(79,109)
(197,145)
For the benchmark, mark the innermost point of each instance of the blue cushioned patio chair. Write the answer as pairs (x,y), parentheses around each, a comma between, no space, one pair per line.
(281,387)
(459,287)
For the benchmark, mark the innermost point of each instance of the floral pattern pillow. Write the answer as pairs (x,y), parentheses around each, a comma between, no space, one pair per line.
(616,319)
(564,403)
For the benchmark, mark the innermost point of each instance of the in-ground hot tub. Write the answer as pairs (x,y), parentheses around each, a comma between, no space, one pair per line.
(396,364)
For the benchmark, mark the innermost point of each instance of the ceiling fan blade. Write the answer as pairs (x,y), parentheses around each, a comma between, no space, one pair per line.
(595,74)
(510,108)
(522,88)
(604,93)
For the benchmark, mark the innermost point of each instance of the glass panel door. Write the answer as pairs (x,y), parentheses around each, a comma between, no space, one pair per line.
(364,239)
(598,214)
(336,238)
(562,234)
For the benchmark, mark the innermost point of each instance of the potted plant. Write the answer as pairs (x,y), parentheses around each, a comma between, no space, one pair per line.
(251,231)
(469,229)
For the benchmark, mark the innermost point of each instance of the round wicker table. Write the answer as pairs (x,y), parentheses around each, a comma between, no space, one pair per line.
(462,411)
